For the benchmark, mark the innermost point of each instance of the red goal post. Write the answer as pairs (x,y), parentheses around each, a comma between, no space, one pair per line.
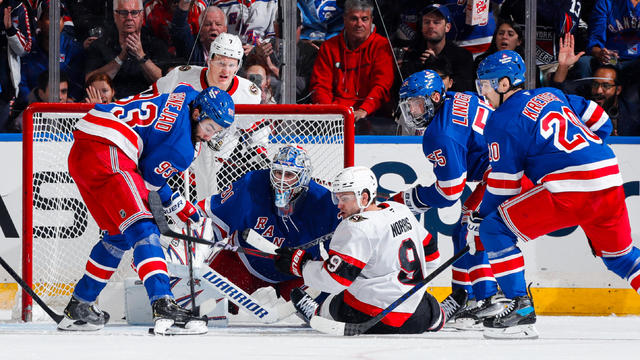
(57,229)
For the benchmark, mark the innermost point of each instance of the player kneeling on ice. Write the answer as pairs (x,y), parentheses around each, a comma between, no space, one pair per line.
(555,140)
(377,253)
(122,151)
(283,205)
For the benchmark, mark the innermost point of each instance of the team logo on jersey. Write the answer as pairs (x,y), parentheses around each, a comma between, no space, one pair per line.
(254,89)
(185,67)
(357,218)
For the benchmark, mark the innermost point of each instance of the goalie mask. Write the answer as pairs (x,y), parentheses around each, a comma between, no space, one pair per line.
(356,179)
(290,175)
(421,95)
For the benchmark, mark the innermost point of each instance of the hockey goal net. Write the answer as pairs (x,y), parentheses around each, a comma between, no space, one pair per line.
(58,230)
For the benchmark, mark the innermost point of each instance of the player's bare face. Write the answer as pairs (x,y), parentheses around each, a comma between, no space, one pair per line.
(347,204)
(222,69)
(207,129)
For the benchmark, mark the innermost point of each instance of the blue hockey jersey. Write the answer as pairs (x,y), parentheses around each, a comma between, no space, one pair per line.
(248,203)
(554,139)
(454,144)
(152,130)
(615,25)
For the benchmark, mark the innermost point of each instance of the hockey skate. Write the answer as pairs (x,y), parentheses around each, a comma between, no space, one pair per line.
(454,304)
(472,317)
(516,321)
(171,319)
(82,316)
(305,306)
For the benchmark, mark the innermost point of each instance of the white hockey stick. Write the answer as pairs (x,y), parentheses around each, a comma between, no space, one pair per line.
(259,242)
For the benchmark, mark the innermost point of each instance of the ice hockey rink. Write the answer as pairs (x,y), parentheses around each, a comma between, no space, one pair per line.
(560,338)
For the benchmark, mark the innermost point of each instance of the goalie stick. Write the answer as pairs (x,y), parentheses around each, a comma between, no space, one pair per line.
(259,242)
(339,328)
(158,215)
(56,317)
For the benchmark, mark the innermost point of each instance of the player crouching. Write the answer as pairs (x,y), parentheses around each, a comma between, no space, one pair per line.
(120,152)
(377,253)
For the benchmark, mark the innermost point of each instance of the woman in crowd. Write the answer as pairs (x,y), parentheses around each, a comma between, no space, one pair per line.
(99,89)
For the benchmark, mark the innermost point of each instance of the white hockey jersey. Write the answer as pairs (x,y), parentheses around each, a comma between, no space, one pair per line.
(250,20)
(242,91)
(209,162)
(376,256)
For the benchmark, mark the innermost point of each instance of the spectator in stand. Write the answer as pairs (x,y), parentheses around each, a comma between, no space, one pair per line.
(258,73)
(435,24)
(252,21)
(475,38)
(614,37)
(355,69)
(306,53)
(132,56)
(194,49)
(37,61)
(555,18)
(619,100)
(159,15)
(100,89)
(41,94)
(15,41)
(508,36)
(91,19)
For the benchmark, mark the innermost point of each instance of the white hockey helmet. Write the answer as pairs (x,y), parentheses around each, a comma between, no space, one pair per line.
(356,179)
(228,45)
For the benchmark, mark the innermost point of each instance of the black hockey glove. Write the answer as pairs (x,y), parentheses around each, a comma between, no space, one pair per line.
(290,261)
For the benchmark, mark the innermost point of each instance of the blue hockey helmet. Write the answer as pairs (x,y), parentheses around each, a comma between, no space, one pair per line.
(290,175)
(417,104)
(215,104)
(327,9)
(501,64)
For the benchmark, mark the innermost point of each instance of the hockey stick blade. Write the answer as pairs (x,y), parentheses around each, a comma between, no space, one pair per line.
(338,328)
(158,215)
(257,241)
(56,317)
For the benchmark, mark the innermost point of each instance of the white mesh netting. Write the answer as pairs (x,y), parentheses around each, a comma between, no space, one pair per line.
(64,231)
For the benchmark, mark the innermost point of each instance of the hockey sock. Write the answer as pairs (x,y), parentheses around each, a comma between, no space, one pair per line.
(481,276)
(460,269)
(103,262)
(150,264)
(627,267)
(507,263)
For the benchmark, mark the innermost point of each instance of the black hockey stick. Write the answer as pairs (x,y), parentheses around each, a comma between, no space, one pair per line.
(158,215)
(332,327)
(56,317)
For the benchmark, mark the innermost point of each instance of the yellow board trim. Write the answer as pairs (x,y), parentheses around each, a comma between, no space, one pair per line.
(574,301)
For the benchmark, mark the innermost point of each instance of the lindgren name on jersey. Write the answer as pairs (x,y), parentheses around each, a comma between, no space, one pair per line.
(400,226)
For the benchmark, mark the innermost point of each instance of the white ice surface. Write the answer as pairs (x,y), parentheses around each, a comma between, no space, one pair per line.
(605,338)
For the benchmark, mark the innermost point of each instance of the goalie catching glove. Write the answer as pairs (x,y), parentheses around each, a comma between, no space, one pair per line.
(291,261)
(473,227)
(180,210)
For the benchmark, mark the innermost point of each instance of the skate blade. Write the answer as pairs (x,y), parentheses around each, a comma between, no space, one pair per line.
(465,324)
(513,332)
(67,324)
(167,327)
